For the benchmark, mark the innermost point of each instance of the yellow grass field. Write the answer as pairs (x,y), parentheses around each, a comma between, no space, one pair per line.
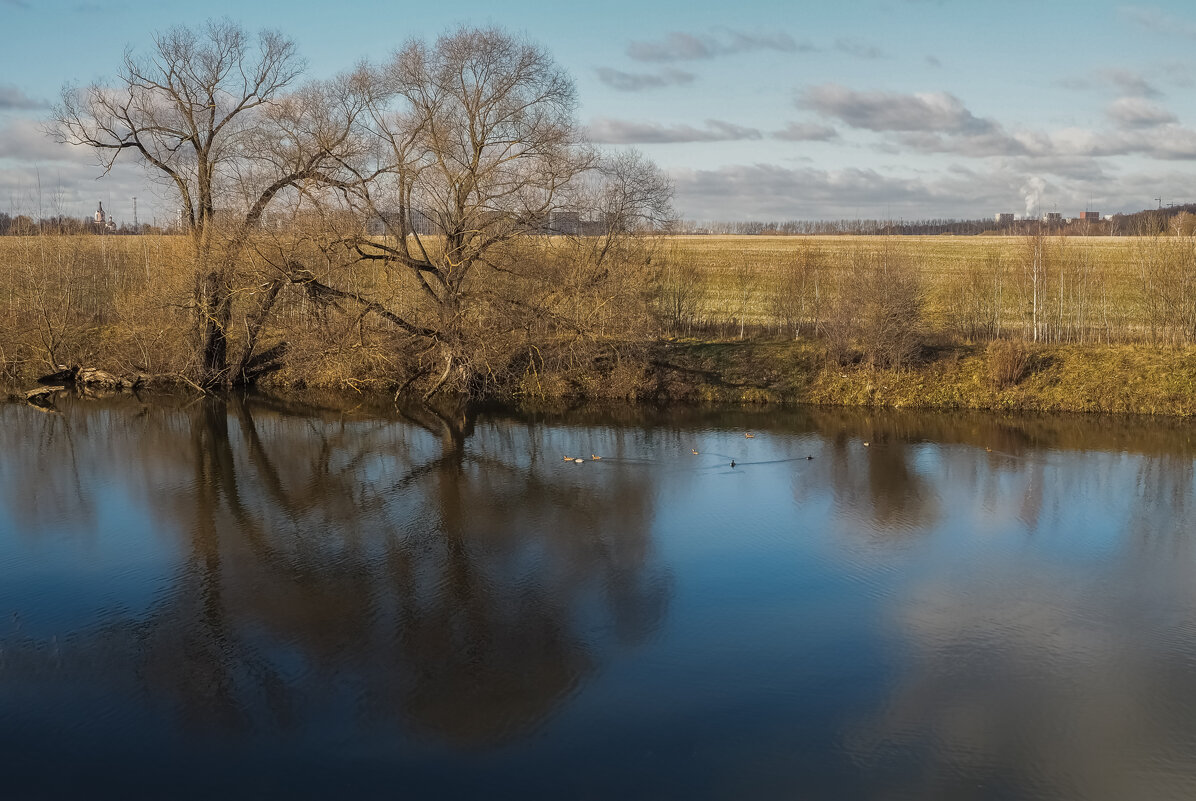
(741,275)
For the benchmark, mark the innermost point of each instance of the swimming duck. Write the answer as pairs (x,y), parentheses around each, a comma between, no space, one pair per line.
(595,457)
(732,462)
(694,451)
(750,435)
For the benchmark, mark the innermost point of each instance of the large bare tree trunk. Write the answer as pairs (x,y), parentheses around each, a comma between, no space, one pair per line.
(214,309)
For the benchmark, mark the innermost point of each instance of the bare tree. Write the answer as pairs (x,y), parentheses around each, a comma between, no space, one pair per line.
(677,290)
(797,290)
(975,299)
(879,308)
(1035,274)
(478,151)
(746,284)
(211,113)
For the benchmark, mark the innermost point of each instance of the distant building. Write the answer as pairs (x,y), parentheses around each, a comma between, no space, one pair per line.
(1052,218)
(1004,218)
(419,222)
(1089,216)
(564,223)
(102,220)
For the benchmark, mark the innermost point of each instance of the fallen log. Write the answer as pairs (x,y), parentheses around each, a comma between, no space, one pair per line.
(93,377)
(42,398)
(91,382)
(42,392)
(100,379)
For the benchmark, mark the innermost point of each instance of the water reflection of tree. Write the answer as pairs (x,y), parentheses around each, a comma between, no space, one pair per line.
(37,483)
(405,570)
(920,469)
(878,483)
(1023,674)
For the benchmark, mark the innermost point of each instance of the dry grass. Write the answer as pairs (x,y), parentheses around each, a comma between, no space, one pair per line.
(122,302)
(72,299)
(1121,379)
(730,267)
(1008,363)
(125,303)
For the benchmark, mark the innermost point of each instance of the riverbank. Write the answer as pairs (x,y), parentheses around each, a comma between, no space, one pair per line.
(118,304)
(1109,379)
(1120,379)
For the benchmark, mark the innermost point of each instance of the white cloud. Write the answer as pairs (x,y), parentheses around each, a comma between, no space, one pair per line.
(23,139)
(1136,112)
(938,122)
(891,111)
(776,192)
(41,177)
(806,132)
(606,130)
(11,97)
(1117,79)
(638,81)
(681,46)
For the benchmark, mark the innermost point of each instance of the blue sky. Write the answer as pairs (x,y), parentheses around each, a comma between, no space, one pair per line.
(758,109)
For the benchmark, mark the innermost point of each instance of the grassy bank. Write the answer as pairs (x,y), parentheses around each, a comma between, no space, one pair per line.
(1108,379)
(1119,379)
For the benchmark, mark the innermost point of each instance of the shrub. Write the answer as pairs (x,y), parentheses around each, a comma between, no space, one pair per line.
(1008,362)
(879,307)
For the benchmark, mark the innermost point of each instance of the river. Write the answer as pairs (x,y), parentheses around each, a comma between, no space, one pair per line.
(311,600)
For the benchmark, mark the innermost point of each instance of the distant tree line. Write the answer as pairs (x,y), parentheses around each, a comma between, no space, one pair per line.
(24,225)
(1176,219)
(836,227)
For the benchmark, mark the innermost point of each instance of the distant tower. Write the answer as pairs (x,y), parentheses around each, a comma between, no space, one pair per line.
(135,228)
(100,217)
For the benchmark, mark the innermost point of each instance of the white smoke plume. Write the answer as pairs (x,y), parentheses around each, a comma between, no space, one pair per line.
(1033,189)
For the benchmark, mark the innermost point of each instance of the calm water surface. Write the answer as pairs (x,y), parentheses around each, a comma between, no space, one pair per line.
(251,599)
